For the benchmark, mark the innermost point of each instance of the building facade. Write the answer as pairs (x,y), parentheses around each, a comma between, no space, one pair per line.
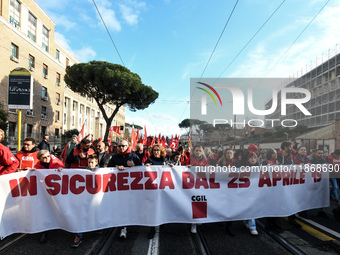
(323,82)
(27,41)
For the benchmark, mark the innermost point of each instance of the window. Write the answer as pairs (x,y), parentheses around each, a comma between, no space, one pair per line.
(29,130)
(57,116)
(32,24)
(44,93)
(14,51)
(57,98)
(57,54)
(31,61)
(65,118)
(43,131)
(43,112)
(14,13)
(45,71)
(45,37)
(57,79)
(11,128)
(67,62)
(56,133)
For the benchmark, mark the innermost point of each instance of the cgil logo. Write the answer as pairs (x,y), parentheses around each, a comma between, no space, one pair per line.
(238,100)
(199,206)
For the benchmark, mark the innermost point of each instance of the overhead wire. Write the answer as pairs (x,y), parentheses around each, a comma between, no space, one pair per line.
(212,53)
(298,37)
(232,61)
(118,52)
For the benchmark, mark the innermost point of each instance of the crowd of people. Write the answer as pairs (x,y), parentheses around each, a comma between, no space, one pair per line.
(85,155)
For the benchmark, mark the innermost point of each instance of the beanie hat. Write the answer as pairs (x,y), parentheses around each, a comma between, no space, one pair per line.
(253,147)
(252,154)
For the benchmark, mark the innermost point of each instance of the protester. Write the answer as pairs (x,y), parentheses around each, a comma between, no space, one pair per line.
(92,165)
(44,144)
(8,163)
(251,161)
(67,150)
(301,156)
(158,156)
(168,152)
(285,157)
(334,159)
(175,159)
(103,156)
(142,153)
(79,155)
(124,158)
(262,156)
(47,161)
(317,160)
(227,159)
(271,158)
(197,158)
(28,154)
(56,151)
(210,156)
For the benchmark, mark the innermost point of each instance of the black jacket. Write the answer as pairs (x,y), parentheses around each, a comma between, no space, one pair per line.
(122,159)
(44,145)
(104,161)
(156,161)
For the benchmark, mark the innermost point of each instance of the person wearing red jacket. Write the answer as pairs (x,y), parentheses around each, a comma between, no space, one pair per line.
(79,155)
(8,163)
(48,161)
(197,158)
(28,154)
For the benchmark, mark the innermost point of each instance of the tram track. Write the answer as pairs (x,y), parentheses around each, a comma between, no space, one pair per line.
(9,241)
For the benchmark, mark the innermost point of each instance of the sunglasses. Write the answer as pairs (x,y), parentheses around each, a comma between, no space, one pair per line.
(46,157)
(119,146)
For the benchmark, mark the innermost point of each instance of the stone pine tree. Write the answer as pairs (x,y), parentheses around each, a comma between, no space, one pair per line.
(3,118)
(109,83)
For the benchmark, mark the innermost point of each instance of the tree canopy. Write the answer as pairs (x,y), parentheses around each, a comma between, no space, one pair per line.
(109,83)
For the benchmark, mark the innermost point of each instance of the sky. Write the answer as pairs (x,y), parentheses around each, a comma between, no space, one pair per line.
(167,42)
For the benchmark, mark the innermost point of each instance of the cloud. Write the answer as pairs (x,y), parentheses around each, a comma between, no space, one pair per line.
(85,54)
(109,17)
(128,15)
(63,21)
(63,41)
(131,10)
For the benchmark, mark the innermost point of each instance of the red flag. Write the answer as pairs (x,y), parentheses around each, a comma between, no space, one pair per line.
(133,139)
(115,129)
(189,141)
(137,135)
(140,140)
(145,138)
(153,142)
(81,133)
(159,138)
(172,143)
(109,139)
(177,142)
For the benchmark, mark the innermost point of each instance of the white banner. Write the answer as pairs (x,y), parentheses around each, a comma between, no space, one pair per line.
(79,200)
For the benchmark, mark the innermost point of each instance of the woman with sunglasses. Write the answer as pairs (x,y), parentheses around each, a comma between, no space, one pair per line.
(48,161)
